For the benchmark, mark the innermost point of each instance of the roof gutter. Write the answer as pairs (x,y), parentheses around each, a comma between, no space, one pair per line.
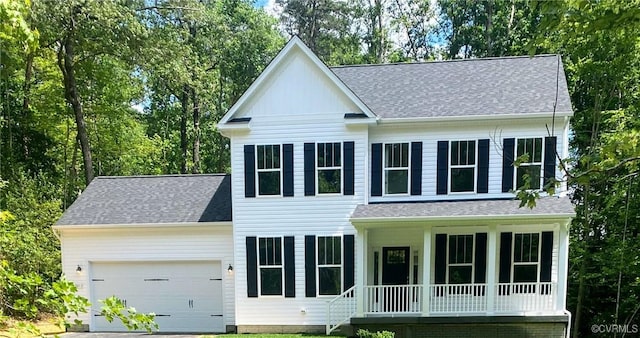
(474,117)
(62,227)
(559,216)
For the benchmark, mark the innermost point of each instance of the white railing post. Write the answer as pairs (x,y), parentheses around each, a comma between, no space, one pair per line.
(563,264)
(491,291)
(361,276)
(426,271)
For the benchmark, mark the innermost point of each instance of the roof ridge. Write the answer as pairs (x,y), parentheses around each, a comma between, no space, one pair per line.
(446,61)
(161,176)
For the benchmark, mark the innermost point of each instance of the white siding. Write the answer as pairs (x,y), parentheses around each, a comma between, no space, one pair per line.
(296,104)
(431,133)
(301,106)
(203,243)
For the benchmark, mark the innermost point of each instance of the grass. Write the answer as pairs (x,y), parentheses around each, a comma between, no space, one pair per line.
(48,326)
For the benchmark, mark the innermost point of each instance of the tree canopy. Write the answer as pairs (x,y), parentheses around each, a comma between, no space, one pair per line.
(107,87)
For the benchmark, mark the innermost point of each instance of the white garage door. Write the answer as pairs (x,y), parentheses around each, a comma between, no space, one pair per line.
(186,296)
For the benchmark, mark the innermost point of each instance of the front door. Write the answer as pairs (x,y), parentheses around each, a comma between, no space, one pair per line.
(395,265)
(395,271)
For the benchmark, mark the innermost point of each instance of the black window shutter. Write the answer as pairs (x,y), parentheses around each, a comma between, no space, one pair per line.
(310,265)
(289,267)
(505,257)
(349,261)
(376,169)
(252,267)
(546,256)
(549,158)
(483,166)
(287,164)
(481,258)
(504,269)
(442,171)
(349,170)
(508,154)
(416,168)
(441,259)
(309,169)
(249,171)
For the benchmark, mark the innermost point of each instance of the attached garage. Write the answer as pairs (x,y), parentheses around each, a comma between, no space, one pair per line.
(186,296)
(162,244)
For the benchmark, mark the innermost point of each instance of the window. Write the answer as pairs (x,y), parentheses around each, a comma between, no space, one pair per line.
(270,251)
(530,168)
(329,168)
(460,259)
(396,168)
(526,257)
(329,265)
(268,170)
(463,166)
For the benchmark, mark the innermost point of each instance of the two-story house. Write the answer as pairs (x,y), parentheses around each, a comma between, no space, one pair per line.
(374,196)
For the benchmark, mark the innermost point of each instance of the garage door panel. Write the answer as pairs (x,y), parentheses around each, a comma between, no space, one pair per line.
(185,296)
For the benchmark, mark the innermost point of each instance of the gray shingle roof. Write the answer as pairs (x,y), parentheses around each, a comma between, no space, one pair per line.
(152,199)
(479,208)
(490,86)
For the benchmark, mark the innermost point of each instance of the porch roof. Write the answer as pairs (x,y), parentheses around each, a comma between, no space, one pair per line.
(546,207)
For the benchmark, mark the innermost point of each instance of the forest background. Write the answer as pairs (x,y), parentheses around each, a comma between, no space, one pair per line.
(90,87)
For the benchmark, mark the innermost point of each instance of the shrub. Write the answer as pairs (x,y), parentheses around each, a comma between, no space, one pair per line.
(378,334)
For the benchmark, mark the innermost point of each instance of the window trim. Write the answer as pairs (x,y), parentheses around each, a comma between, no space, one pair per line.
(541,164)
(280,170)
(513,258)
(473,257)
(281,267)
(385,169)
(317,253)
(318,169)
(458,166)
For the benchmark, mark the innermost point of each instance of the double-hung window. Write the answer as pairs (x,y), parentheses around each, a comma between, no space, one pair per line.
(329,163)
(529,168)
(270,266)
(269,172)
(329,265)
(460,259)
(396,168)
(526,253)
(463,166)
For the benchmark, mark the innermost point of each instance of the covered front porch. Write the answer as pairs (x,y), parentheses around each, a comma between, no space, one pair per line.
(432,266)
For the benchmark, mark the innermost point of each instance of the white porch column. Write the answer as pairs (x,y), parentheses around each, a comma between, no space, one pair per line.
(492,247)
(426,270)
(563,264)
(361,270)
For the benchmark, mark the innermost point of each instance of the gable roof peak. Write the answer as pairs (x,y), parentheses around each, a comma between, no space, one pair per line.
(294,43)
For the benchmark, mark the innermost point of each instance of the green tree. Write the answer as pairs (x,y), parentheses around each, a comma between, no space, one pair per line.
(488,28)
(600,42)
(89,38)
(202,56)
(327,27)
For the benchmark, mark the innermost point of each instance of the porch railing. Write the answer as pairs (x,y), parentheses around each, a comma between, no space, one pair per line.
(525,297)
(341,309)
(457,298)
(388,299)
(443,299)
